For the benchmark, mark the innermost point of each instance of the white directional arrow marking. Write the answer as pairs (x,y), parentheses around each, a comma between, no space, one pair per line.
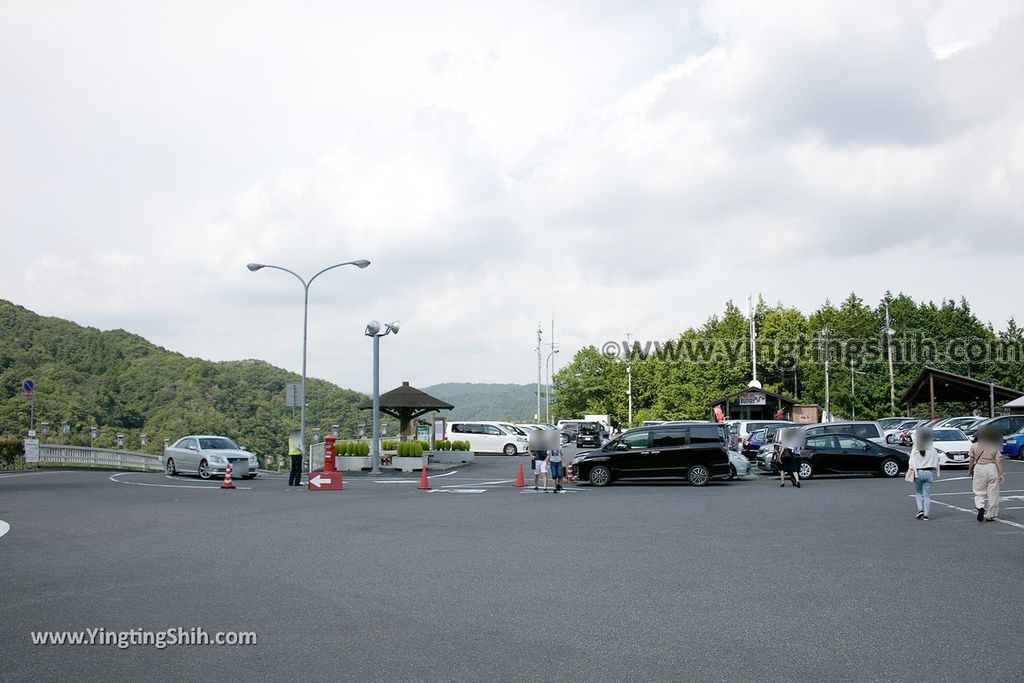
(318,480)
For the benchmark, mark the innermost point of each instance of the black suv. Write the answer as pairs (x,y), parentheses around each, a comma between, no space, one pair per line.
(695,452)
(589,435)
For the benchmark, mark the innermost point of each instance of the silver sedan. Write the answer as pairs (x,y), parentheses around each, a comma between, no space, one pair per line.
(208,456)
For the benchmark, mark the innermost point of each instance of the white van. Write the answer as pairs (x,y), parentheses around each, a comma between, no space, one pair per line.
(488,437)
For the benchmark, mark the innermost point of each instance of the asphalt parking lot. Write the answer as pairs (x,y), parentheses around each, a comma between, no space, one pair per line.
(479,580)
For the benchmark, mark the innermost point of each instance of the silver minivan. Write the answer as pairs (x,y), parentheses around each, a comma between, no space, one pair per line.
(865,429)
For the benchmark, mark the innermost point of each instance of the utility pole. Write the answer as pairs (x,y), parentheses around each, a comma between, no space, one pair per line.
(538,369)
(853,390)
(753,341)
(629,381)
(828,407)
(889,332)
(549,370)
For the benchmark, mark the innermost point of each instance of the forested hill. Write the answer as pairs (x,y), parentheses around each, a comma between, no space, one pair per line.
(124,384)
(474,401)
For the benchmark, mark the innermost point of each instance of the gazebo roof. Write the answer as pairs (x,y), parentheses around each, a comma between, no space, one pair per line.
(407,402)
(949,386)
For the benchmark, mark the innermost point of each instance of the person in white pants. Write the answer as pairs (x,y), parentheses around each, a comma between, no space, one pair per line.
(986,471)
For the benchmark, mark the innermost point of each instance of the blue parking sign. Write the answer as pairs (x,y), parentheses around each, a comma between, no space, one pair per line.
(28,386)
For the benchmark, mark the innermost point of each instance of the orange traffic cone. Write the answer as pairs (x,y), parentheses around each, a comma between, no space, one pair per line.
(227,479)
(520,480)
(424,484)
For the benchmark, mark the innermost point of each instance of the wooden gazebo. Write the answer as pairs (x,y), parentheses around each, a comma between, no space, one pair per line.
(406,403)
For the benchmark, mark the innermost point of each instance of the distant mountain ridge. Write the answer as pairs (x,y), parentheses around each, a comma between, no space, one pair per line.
(482,401)
(124,384)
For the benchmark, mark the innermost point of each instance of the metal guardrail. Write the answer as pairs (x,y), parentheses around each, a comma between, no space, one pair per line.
(82,456)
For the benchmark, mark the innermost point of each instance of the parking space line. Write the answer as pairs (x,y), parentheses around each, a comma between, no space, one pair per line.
(970,493)
(482,483)
(974,512)
(213,487)
(4,528)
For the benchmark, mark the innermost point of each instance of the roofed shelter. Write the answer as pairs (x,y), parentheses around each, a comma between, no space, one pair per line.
(753,404)
(939,386)
(406,403)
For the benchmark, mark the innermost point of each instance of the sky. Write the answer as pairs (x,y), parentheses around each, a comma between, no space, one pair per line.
(622,166)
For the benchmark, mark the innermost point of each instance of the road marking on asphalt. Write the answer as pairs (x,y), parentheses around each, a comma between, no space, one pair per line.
(212,487)
(4,527)
(549,490)
(970,493)
(974,512)
(449,490)
(22,474)
(482,483)
(412,481)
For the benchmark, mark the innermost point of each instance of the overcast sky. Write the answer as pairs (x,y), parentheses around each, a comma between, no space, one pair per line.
(629,165)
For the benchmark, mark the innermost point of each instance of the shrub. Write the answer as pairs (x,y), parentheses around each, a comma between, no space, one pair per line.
(11,453)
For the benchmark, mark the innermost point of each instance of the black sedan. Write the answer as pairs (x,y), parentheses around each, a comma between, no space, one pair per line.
(848,454)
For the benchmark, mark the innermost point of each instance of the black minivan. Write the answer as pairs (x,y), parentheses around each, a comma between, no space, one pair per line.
(695,452)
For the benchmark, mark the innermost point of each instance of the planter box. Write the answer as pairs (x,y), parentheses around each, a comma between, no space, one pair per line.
(451,457)
(407,464)
(352,463)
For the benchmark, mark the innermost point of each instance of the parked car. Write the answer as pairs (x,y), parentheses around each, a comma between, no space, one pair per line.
(952,445)
(739,465)
(890,423)
(488,437)
(893,435)
(739,430)
(963,423)
(1004,424)
(1013,445)
(207,456)
(695,452)
(847,454)
(865,429)
(589,435)
(752,444)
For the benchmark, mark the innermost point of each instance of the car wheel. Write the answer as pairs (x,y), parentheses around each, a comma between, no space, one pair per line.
(600,476)
(732,471)
(698,475)
(1020,453)
(169,467)
(250,476)
(510,449)
(806,470)
(890,468)
(204,470)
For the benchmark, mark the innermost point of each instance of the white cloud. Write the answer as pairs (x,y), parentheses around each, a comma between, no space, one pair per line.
(629,168)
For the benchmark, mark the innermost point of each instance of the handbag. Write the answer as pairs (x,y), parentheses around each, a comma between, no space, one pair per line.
(911,475)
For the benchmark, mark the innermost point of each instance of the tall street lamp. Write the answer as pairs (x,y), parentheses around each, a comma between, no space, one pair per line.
(361,263)
(374,330)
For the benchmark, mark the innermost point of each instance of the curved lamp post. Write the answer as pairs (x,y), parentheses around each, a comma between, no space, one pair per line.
(374,330)
(361,263)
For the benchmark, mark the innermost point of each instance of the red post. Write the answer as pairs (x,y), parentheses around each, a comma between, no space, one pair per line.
(329,454)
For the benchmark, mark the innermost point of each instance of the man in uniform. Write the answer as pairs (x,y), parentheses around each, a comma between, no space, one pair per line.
(295,476)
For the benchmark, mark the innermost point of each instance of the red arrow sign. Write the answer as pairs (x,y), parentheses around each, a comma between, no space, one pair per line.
(325,481)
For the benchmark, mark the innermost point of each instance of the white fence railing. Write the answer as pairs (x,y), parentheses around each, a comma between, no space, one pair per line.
(82,456)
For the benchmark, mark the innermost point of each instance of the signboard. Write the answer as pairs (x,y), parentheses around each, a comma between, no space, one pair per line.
(31,450)
(291,395)
(28,386)
(752,398)
(325,481)
(423,433)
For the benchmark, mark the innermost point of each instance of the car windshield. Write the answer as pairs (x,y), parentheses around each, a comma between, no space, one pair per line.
(589,428)
(949,435)
(217,443)
(909,424)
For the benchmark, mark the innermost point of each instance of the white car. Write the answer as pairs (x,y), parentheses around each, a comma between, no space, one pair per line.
(739,466)
(208,456)
(952,445)
(488,437)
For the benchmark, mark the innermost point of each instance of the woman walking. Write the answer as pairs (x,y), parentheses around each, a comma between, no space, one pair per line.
(924,468)
(789,458)
(986,471)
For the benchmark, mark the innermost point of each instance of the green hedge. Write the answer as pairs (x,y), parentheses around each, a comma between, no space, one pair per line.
(12,453)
